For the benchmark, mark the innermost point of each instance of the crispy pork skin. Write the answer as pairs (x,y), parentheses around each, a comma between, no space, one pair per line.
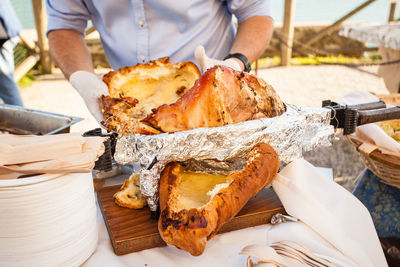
(221,96)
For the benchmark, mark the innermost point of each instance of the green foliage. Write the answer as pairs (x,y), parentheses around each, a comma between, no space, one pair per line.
(20,53)
(374,56)
(267,62)
(26,80)
(273,61)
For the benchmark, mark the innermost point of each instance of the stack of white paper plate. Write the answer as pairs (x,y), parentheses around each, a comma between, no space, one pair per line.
(47,220)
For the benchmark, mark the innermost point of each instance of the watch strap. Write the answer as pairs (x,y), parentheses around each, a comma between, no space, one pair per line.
(243,58)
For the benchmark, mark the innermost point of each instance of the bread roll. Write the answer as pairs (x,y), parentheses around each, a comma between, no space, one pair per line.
(194,206)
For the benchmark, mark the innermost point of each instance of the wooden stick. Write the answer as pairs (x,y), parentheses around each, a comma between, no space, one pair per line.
(90,30)
(25,66)
(288,32)
(391,11)
(15,150)
(39,11)
(82,161)
(338,23)
(28,43)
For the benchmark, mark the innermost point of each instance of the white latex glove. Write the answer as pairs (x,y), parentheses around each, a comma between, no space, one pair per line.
(90,88)
(205,62)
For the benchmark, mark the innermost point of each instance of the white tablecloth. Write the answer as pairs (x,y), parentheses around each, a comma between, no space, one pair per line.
(387,35)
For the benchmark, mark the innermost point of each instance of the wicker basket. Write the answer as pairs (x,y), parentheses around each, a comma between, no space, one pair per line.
(386,167)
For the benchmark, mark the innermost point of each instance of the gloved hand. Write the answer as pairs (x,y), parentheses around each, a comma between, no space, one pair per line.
(205,62)
(90,88)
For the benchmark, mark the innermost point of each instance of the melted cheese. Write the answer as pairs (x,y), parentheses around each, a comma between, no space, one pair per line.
(197,189)
(153,92)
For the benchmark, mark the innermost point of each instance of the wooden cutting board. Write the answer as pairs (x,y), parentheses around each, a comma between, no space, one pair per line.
(135,230)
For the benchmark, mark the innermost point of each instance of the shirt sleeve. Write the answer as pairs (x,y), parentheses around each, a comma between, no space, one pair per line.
(9,20)
(67,14)
(244,9)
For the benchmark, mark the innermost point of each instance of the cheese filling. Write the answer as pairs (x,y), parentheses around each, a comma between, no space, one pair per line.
(154,92)
(197,189)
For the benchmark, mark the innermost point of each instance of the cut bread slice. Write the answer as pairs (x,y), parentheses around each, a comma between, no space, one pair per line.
(151,84)
(129,196)
(194,206)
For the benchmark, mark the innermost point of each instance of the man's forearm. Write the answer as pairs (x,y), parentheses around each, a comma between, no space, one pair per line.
(253,37)
(69,51)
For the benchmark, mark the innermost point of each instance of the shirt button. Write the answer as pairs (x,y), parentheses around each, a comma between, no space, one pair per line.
(143,58)
(141,23)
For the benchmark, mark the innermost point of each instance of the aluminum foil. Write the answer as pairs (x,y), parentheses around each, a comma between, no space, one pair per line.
(225,147)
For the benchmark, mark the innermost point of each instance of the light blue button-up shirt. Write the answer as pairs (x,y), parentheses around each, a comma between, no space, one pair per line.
(9,19)
(135,31)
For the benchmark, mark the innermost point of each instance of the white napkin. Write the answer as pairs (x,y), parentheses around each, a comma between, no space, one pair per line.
(371,130)
(357,97)
(329,210)
(300,233)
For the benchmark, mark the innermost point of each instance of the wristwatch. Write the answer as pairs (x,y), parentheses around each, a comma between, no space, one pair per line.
(243,58)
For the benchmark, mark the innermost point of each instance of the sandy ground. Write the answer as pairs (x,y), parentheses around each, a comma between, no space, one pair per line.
(307,86)
(304,86)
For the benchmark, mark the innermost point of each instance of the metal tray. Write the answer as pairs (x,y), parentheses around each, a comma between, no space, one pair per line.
(20,120)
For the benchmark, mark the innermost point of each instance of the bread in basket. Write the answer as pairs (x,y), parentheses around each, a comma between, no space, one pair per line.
(382,163)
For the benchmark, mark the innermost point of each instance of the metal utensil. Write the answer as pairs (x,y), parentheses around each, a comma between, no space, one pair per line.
(20,120)
(348,117)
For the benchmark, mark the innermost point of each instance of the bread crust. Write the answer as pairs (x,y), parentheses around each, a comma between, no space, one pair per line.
(135,91)
(117,116)
(109,77)
(129,196)
(190,229)
(113,77)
